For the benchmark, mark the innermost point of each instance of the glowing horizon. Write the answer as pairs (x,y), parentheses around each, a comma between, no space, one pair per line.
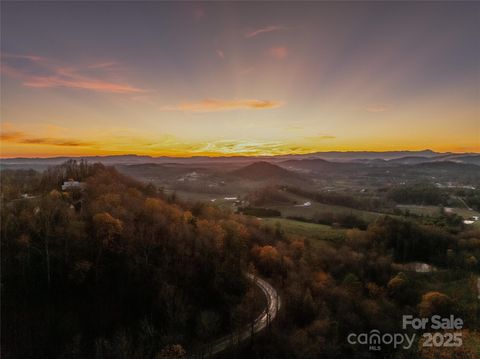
(228,79)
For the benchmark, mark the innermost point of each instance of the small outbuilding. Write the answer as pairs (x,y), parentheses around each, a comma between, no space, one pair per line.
(71,185)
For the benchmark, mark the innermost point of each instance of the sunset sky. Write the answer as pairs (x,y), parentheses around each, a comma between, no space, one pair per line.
(184,79)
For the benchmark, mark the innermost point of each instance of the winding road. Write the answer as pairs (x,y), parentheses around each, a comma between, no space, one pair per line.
(260,323)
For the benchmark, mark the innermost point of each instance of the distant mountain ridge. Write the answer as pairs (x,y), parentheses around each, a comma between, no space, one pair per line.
(372,157)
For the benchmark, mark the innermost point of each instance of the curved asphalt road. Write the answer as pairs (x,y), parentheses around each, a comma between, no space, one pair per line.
(260,323)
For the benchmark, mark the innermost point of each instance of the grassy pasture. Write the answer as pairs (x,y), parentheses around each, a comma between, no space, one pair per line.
(308,230)
(315,207)
(435,211)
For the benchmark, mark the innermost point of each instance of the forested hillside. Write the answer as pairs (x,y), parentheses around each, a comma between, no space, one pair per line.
(117,269)
(115,265)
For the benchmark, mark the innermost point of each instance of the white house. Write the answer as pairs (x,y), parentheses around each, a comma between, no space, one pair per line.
(71,184)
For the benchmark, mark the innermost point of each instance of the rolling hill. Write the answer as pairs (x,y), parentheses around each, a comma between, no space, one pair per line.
(264,171)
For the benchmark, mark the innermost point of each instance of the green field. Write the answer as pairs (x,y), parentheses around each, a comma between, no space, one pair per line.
(316,207)
(213,198)
(435,211)
(308,212)
(287,210)
(308,230)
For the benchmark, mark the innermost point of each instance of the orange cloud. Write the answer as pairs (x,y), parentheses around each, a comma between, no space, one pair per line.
(214,105)
(55,142)
(79,83)
(320,138)
(279,52)
(102,65)
(11,136)
(377,108)
(61,76)
(23,138)
(264,30)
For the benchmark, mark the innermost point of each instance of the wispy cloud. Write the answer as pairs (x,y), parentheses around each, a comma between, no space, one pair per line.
(11,136)
(104,65)
(33,58)
(241,146)
(377,108)
(23,138)
(263,30)
(279,52)
(215,105)
(79,82)
(320,137)
(40,72)
(56,142)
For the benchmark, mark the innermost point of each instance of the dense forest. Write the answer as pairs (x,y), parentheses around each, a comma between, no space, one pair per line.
(118,269)
(116,265)
(419,193)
